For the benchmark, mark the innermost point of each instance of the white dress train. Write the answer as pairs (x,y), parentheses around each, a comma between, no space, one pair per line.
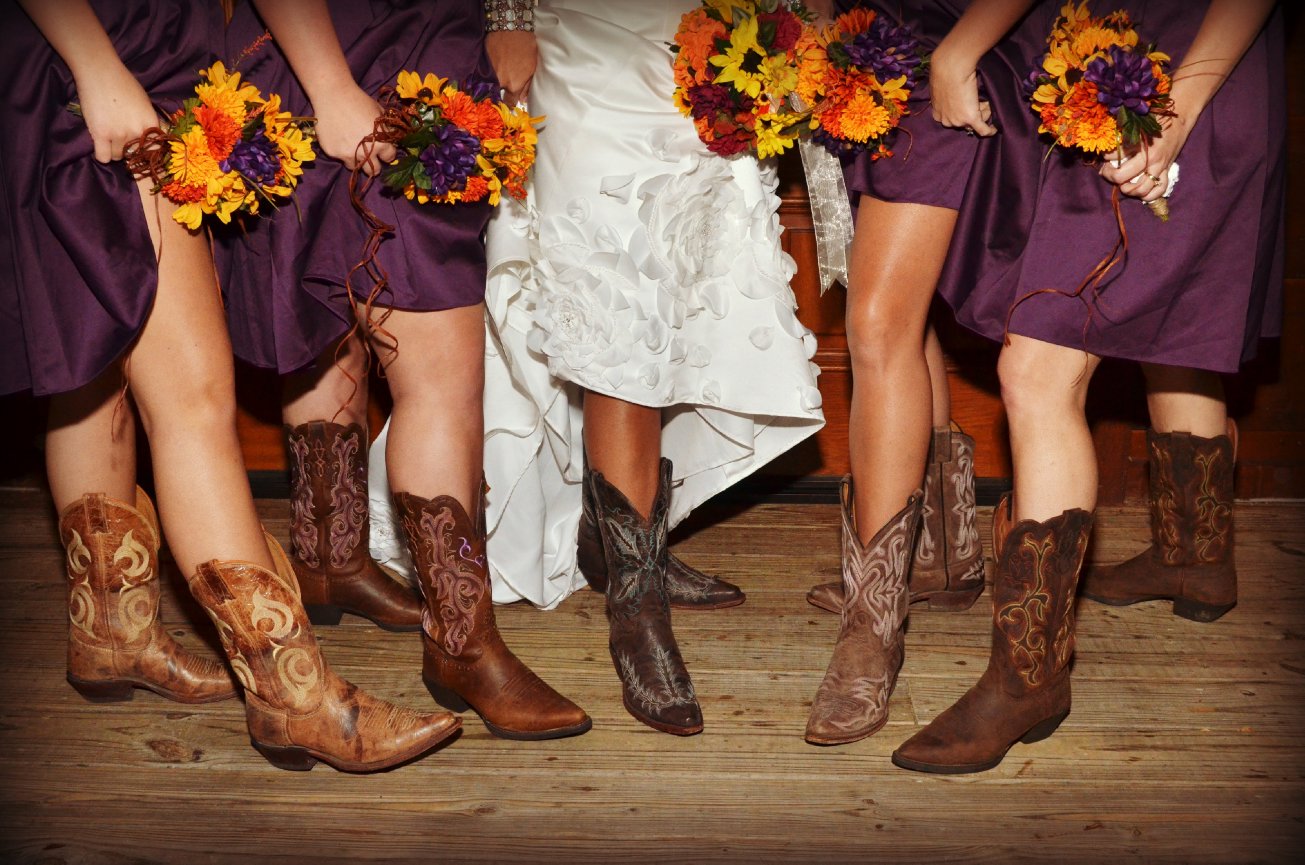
(643,267)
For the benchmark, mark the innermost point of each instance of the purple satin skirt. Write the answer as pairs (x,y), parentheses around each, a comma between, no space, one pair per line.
(1198,291)
(79,270)
(284,276)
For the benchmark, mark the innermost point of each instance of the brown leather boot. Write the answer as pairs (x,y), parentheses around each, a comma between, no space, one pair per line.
(687,588)
(655,684)
(947,573)
(852,701)
(329,531)
(115,640)
(1024,694)
(298,710)
(1190,559)
(465,662)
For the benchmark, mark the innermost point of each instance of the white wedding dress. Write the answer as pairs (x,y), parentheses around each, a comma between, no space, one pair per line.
(643,267)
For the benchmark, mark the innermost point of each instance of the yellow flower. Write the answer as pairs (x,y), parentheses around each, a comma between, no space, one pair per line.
(742,59)
(411,85)
(779,76)
(225,93)
(774,136)
(191,161)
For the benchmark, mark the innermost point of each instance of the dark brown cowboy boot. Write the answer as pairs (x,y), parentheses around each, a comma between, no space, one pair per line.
(1024,694)
(687,588)
(115,640)
(947,573)
(1190,559)
(298,710)
(852,701)
(329,531)
(655,685)
(465,662)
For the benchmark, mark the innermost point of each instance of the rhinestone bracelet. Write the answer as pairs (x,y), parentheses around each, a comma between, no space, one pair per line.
(509,15)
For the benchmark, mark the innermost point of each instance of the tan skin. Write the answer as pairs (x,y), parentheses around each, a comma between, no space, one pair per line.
(1044,386)
(436,376)
(179,372)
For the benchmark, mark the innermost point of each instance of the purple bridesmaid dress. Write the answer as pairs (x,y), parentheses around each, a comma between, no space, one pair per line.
(284,276)
(79,274)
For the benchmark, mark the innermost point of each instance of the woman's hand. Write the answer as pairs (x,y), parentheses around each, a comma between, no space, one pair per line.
(115,107)
(343,121)
(954,82)
(514,54)
(1145,174)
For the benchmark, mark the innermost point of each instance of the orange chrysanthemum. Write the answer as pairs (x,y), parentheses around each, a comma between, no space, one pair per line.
(697,37)
(481,119)
(221,130)
(183,193)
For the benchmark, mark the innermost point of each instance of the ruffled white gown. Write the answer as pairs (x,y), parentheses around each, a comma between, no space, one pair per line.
(644,268)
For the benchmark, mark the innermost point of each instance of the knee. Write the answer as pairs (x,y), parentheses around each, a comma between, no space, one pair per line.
(881,332)
(1035,380)
(204,399)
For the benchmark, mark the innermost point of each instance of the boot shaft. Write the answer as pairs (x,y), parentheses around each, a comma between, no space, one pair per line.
(1191,497)
(448,554)
(635,547)
(875,574)
(948,548)
(328,495)
(112,569)
(1033,599)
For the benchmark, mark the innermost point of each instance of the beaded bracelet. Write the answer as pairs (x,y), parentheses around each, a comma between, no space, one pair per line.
(509,15)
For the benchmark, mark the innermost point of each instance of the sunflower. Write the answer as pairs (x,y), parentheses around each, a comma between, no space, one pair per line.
(740,65)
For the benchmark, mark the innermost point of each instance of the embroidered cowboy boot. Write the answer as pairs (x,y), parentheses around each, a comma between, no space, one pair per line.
(1024,694)
(330,527)
(1190,559)
(852,701)
(687,588)
(655,685)
(947,573)
(115,640)
(298,710)
(465,661)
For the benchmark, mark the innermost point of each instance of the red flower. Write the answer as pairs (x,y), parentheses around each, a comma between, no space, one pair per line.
(787,29)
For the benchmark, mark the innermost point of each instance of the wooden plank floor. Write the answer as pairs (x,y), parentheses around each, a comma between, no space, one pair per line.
(1185,743)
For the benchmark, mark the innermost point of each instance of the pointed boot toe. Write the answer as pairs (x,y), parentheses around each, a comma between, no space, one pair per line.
(826,596)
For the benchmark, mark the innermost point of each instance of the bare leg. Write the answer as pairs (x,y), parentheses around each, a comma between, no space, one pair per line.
(91,443)
(942,392)
(437,379)
(183,378)
(1185,400)
(1044,388)
(894,269)
(623,441)
(335,390)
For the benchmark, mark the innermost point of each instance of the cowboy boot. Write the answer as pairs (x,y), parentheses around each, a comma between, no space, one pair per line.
(329,531)
(687,588)
(852,701)
(115,640)
(1190,559)
(465,661)
(1024,694)
(655,685)
(947,573)
(297,709)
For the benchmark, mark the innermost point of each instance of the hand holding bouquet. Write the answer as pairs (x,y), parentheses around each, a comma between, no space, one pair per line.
(226,151)
(1098,91)
(736,64)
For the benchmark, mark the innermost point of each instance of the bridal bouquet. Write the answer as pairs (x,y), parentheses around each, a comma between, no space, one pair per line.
(455,143)
(857,76)
(226,151)
(736,64)
(1098,91)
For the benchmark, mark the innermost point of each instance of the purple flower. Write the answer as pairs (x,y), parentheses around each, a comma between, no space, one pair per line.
(889,51)
(1125,80)
(256,159)
(450,159)
(480,87)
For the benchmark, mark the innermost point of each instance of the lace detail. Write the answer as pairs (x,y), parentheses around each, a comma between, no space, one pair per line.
(1213,518)
(965,539)
(348,494)
(455,578)
(1166,510)
(303,526)
(1024,621)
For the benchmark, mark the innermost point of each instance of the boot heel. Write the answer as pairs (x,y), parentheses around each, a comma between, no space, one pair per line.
(954,602)
(446,698)
(324,614)
(103,692)
(1198,612)
(290,759)
(1043,729)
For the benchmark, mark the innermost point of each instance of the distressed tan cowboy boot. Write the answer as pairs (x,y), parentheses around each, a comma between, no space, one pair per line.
(115,640)
(1190,559)
(465,661)
(655,684)
(1024,694)
(329,531)
(687,588)
(852,701)
(947,573)
(298,710)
